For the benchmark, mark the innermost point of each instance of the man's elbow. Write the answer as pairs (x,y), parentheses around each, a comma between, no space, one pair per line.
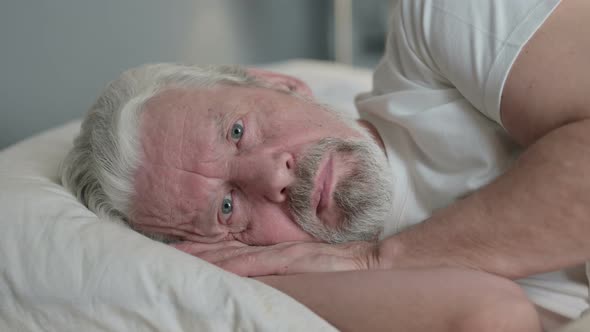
(509,312)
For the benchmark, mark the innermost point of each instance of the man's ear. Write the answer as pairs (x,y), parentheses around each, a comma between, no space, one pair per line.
(281,81)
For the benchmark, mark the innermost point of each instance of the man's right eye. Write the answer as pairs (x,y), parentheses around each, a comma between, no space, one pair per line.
(237,131)
(227,207)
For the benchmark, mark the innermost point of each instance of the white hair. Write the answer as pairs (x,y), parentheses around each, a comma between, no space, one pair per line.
(100,167)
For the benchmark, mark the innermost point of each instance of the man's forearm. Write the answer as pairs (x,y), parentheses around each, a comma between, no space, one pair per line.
(411,300)
(534,218)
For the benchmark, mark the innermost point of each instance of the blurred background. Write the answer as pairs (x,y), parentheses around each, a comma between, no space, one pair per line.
(55,56)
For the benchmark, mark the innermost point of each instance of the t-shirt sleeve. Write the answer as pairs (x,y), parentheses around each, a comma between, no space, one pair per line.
(467,45)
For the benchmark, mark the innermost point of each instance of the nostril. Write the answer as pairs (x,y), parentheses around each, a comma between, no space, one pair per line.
(283,191)
(289,165)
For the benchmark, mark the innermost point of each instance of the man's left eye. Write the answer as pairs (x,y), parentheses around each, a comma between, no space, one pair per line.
(227,209)
(237,131)
(227,206)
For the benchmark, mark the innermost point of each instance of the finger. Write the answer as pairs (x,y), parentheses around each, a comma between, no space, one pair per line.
(195,248)
(292,258)
(214,256)
(278,259)
(255,264)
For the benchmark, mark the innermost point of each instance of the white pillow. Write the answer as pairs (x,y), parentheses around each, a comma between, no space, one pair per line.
(63,269)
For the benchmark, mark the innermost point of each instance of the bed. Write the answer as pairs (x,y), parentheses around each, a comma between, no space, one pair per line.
(63,269)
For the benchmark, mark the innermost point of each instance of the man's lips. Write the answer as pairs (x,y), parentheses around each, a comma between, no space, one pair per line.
(323,186)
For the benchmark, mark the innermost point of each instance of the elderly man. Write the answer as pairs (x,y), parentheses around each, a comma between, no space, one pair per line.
(476,134)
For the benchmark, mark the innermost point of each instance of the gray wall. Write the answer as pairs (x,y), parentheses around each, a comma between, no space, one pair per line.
(56,55)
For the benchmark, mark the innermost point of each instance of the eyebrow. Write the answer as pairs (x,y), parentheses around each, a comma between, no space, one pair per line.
(221,120)
(212,211)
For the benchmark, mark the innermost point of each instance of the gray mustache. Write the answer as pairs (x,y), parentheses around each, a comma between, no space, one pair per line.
(362,197)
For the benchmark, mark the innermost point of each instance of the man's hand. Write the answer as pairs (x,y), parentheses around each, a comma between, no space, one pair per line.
(285,258)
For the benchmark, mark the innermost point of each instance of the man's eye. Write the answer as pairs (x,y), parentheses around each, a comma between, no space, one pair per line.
(227,206)
(237,130)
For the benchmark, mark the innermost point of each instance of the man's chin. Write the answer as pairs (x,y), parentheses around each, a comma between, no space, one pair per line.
(330,218)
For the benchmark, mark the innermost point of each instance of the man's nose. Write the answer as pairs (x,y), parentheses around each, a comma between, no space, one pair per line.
(272,174)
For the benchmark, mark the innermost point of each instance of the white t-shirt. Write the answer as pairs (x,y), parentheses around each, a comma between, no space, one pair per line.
(436,97)
(436,104)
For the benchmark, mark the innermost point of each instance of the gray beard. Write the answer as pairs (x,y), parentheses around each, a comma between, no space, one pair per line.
(363,196)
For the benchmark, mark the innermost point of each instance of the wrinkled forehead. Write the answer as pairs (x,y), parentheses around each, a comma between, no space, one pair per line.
(167,118)
(178,120)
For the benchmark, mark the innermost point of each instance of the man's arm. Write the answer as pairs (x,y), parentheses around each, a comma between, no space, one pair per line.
(412,300)
(536,217)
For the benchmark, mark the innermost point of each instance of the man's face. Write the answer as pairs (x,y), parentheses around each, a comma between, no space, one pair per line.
(258,166)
